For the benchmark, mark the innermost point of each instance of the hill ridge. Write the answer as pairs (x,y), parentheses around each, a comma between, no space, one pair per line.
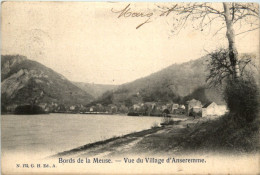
(23,80)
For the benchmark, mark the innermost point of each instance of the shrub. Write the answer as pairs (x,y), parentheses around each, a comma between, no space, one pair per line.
(28,109)
(242,97)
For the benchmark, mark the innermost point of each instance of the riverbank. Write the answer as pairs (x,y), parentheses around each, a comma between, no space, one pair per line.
(133,143)
(218,135)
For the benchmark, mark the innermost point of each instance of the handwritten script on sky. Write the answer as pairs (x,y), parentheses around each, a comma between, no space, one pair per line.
(127,12)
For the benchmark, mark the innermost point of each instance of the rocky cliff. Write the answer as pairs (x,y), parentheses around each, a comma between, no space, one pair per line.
(24,81)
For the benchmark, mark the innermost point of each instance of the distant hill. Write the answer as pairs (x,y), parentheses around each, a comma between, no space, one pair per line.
(23,80)
(96,90)
(182,79)
(176,83)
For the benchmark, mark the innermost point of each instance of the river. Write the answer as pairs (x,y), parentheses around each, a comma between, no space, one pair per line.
(53,133)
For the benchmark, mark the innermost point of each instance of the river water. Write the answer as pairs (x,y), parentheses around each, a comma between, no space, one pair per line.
(53,133)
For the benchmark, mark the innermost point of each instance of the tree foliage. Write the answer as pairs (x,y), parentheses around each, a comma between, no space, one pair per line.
(242,97)
(220,67)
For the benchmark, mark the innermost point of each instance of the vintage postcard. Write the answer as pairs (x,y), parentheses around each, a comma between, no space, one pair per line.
(129,88)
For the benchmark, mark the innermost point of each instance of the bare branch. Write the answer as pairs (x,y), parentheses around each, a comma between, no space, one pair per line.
(248,31)
(219,30)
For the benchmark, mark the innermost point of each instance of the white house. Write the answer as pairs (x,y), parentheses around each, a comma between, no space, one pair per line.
(91,109)
(175,107)
(136,107)
(72,108)
(182,107)
(212,109)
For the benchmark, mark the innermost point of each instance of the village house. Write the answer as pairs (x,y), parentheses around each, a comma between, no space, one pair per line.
(113,108)
(150,107)
(43,105)
(179,111)
(11,108)
(72,108)
(60,108)
(82,108)
(193,106)
(159,106)
(169,106)
(212,109)
(164,107)
(92,109)
(100,107)
(54,104)
(165,112)
(136,107)
(174,108)
(123,109)
(182,106)
(48,108)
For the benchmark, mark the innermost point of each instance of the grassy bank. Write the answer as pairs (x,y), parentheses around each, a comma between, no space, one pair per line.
(223,134)
(220,135)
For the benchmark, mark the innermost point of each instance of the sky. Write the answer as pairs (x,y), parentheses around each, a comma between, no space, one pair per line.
(89,42)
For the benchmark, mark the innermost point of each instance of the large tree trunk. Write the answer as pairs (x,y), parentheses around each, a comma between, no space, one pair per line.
(233,54)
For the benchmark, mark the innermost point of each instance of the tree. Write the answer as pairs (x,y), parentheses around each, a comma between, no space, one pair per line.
(202,16)
(220,67)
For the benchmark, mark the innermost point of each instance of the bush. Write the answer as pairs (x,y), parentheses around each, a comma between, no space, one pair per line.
(28,109)
(242,97)
(3,109)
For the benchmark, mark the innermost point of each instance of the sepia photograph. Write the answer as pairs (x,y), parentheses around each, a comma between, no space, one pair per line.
(129,87)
